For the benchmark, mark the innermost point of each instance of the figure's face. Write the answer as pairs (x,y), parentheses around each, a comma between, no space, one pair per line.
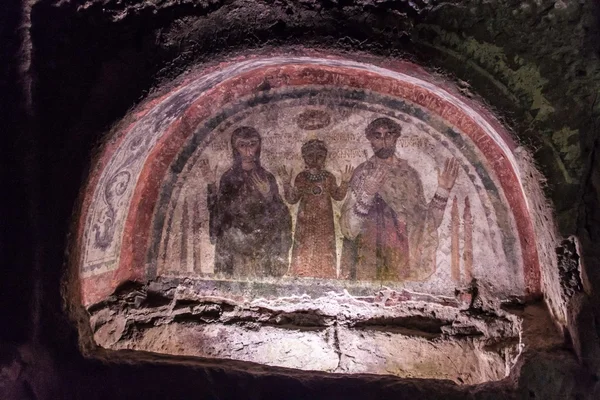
(315,160)
(248,150)
(383,142)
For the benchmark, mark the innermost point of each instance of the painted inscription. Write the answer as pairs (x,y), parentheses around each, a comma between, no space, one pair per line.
(351,194)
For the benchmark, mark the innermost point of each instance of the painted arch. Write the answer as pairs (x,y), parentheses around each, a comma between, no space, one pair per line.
(145,212)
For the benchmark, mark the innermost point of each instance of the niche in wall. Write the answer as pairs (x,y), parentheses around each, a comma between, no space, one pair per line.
(316,213)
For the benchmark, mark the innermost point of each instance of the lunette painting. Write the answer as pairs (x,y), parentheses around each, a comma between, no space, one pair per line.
(347,188)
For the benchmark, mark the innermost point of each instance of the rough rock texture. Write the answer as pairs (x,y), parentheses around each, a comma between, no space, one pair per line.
(475,343)
(74,68)
(569,267)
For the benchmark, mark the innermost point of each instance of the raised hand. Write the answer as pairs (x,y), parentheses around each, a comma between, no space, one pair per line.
(347,173)
(285,174)
(374,181)
(262,185)
(448,176)
(209,174)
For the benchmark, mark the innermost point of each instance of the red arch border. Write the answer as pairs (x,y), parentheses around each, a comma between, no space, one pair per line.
(139,219)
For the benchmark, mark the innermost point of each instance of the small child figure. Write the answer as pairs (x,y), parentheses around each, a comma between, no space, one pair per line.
(313,253)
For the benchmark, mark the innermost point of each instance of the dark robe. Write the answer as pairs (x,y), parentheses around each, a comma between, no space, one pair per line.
(252,233)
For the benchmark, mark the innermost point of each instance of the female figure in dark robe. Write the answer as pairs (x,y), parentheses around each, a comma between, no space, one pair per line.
(250,224)
(314,254)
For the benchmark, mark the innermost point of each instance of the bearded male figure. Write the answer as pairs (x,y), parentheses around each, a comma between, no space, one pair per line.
(390,231)
(250,224)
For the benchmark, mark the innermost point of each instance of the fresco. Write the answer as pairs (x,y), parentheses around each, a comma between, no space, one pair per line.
(275,200)
(303,185)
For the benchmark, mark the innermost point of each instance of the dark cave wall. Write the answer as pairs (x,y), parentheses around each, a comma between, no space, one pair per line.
(536,65)
(16,226)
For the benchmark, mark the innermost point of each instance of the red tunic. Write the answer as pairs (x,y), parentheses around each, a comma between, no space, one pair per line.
(313,253)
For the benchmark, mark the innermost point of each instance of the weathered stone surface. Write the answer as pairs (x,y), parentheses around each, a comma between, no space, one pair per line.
(569,265)
(301,349)
(335,333)
(384,351)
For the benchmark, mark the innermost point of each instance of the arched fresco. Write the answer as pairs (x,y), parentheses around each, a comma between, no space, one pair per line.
(286,176)
(310,224)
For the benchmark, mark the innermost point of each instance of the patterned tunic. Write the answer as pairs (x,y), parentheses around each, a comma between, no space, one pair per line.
(313,253)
